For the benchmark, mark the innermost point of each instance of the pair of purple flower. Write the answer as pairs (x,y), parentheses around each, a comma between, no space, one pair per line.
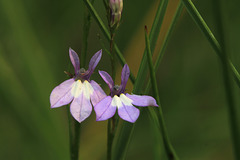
(83,93)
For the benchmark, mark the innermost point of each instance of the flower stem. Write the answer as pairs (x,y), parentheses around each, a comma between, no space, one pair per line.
(110,136)
(86,27)
(109,139)
(107,34)
(113,57)
(111,121)
(74,136)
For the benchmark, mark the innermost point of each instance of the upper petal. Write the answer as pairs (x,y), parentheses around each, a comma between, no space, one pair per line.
(142,101)
(128,113)
(94,61)
(81,108)
(107,78)
(124,77)
(61,95)
(98,93)
(75,60)
(104,110)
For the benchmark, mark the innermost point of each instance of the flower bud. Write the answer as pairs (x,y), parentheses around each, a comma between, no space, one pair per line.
(116,7)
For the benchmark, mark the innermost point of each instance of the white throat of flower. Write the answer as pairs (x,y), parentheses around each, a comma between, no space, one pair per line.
(120,101)
(78,88)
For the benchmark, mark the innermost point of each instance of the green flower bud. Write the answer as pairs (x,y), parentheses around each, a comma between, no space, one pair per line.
(116,7)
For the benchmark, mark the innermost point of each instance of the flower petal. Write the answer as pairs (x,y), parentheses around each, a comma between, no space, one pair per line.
(81,108)
(94,61)
(142,101)
(128,113)
(87,89)
(107,78)
(104,110)
(98,94)
(61,95)
(75,60)
(77,88)
(124,77)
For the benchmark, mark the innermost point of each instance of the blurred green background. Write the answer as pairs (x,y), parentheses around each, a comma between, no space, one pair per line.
(34,39)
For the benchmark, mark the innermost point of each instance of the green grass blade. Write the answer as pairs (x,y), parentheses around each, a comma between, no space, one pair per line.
(192,10)
(167,144)
(151,68)
(153,36)
(165,41)
(228,83)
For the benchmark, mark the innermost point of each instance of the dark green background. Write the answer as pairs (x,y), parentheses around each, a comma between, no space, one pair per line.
(34,39)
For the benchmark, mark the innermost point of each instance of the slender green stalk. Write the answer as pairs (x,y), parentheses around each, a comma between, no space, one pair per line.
(113,57)
(151,68)
(111,121)
(109,140)
(74,136)
(192,10)
(112,126)
(165,41)
(86,27)
(167,144)
(107,34)
(153,36)
(228,84)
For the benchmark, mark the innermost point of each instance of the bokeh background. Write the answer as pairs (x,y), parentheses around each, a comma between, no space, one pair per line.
(34,39)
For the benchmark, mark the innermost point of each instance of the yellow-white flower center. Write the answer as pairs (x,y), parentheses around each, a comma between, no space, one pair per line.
(79,88)
(119,101)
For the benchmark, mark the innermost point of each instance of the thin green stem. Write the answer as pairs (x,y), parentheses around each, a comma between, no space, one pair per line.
(74,136)
(112,126)
(192,10)
(228,85)
(109,140)
(165,41)
(153,36)
(107,34)
(111,121)
(167,144)
(86,28)
(113,57)
(151,68)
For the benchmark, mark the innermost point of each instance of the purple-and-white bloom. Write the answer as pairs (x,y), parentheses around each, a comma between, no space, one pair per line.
(79,90)
(117,99)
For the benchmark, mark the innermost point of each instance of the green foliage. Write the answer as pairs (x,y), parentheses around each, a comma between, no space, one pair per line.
(34,42)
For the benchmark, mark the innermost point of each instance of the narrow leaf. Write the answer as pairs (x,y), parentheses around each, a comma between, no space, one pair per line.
(192,10)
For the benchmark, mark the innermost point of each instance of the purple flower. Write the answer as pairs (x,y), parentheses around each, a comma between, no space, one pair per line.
(117,99)
(79,90)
